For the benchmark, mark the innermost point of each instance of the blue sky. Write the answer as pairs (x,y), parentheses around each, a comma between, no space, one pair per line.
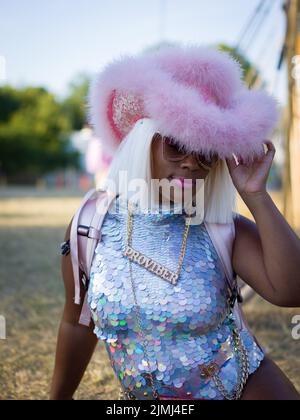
(49,42)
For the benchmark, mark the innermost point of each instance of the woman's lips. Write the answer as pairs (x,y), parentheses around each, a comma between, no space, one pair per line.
(182,182)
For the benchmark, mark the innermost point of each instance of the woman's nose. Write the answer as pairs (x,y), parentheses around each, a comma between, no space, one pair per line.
(189,162)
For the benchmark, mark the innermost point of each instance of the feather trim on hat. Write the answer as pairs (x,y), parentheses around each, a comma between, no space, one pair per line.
(195,94)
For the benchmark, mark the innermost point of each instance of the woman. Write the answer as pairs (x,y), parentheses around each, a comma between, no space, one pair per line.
(179,339)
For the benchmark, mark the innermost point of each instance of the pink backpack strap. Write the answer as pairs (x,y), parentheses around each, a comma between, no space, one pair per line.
(222,236)
(74,245)
(86,235)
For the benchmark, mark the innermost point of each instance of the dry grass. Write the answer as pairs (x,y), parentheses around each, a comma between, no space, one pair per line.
(31,299)
(32,227)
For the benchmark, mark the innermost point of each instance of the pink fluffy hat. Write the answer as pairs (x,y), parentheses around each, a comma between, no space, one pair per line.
(195,94)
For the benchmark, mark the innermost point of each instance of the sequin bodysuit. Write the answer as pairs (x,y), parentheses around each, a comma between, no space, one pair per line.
(185,325)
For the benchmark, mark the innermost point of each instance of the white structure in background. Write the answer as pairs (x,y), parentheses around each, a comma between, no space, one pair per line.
(80,139)
(93,160)
(2,328)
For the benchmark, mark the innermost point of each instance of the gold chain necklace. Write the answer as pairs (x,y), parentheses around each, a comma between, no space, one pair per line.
(207,371)
(149,263)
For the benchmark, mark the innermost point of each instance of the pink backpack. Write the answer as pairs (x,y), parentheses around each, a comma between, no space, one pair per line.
(86,232)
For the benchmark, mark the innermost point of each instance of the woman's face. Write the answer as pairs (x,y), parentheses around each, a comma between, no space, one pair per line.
(185,169)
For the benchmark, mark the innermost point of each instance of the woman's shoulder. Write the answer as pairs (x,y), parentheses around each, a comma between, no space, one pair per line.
(243,225)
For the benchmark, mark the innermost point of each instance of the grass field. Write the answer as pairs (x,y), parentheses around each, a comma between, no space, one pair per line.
(32,226)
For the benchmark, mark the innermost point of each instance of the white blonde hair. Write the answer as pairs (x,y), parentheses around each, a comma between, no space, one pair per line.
(133,158)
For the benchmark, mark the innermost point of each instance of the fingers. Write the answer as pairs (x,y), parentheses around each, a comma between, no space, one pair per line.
(236,160)
(232,162)
(270,151)
(270,147)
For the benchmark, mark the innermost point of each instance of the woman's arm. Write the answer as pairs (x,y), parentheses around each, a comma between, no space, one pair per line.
(75,343)
(266,254)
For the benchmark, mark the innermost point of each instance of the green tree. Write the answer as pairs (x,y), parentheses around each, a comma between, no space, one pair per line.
(251,74)
(34,133)
(74,106)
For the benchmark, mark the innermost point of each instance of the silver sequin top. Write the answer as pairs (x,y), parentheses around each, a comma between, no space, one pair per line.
(186,325)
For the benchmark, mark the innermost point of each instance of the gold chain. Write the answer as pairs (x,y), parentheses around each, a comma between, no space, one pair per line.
(137,308)
(241,351)
(142,335)
(184,242)
(238,344)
